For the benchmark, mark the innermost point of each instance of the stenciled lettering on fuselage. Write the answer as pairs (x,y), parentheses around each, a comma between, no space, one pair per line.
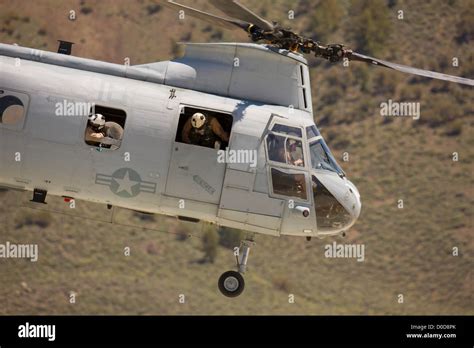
(125,183)
(201,182)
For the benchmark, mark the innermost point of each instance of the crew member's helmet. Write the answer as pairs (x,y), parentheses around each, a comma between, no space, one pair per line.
(97,120)
(198,120)
(292,142)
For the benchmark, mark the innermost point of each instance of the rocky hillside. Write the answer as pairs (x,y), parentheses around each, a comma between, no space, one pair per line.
(408,251)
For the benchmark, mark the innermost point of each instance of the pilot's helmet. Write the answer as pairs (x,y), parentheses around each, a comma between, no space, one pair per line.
(198,120)
(97,120)
(292,142)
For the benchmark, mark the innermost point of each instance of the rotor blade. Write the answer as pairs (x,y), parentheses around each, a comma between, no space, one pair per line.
(234,9)
(407,69)
(210,18)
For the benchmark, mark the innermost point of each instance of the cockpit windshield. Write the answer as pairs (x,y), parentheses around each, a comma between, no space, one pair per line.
(321,157)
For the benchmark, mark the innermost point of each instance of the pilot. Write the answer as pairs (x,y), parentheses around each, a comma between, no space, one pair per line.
(204,130)
(291,154)
(294,153)
(99,132)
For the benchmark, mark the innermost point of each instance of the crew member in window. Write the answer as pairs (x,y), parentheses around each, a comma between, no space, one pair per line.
(294,153)
(204,130)
(100,133)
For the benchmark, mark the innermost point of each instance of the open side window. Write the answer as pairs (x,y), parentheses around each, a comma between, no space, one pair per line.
(13,108)
(110,134)
(204,128)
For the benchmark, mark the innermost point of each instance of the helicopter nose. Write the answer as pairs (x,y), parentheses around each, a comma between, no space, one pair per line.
(356,204)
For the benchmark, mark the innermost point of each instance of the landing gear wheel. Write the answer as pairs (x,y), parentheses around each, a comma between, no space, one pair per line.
(231,284)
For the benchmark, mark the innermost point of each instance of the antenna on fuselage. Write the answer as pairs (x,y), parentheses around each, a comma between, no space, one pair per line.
(65,47)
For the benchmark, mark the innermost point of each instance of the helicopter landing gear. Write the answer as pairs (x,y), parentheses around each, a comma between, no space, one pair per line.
(231,283)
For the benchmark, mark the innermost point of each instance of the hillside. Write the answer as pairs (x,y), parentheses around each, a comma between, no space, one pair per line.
(408,251)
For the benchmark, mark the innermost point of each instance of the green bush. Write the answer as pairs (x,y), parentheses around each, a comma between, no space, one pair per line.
(230,237)
(210,241)
(326,19)
(152,248)
(440,111)
(182,232)
(41,219)
(371,25)
(454,128)
(151,9)
(464,27)
(281,283)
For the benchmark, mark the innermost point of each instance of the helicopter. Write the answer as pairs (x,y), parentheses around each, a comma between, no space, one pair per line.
(265,168)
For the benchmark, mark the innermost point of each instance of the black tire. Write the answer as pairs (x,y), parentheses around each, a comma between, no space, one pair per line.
(231,284)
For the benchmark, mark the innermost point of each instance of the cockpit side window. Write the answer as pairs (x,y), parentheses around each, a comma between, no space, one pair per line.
(276,148)
(286,184)
(284,149)
(285,145)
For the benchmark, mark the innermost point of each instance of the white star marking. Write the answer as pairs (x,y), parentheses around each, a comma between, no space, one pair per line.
(125,184)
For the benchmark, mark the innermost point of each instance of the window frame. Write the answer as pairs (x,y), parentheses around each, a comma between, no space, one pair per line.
(339,171)
(328,157)
(181,111)
(93,109)
(302,139)
(290,171)
(285,167)
(318,134)
(320,223)
(297,128)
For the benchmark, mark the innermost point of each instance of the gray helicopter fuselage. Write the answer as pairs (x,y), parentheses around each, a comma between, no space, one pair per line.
(151,171)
